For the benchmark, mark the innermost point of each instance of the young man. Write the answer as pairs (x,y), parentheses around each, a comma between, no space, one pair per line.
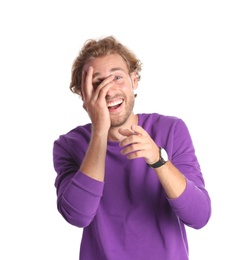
(131,181)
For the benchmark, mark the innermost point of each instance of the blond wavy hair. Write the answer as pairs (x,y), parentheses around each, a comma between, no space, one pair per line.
(98,48)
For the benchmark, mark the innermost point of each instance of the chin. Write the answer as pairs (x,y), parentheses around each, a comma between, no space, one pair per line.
(119,121)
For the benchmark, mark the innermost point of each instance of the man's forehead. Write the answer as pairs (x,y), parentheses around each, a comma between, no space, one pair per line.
(115,69)
(111,62)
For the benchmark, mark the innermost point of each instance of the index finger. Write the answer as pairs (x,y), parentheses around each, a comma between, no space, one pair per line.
(137,129)
(126,132)
(86,82)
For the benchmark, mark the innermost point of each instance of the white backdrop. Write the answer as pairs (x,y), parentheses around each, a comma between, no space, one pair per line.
(197,65)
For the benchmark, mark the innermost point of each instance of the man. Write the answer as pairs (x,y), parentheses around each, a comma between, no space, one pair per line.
(131,181)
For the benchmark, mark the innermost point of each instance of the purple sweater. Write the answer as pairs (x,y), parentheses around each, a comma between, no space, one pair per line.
(128,216)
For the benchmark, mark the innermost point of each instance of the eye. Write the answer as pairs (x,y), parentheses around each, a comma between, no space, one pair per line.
(96,84)
(117,77)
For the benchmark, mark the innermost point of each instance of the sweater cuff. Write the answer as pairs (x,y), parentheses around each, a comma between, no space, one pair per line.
(89,184)
(182,201)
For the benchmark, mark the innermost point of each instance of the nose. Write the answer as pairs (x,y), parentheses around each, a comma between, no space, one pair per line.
(112,89)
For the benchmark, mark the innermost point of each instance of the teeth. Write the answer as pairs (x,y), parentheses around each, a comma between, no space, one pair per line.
(114,103)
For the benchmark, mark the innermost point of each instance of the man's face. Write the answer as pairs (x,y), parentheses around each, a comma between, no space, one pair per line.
(120,96)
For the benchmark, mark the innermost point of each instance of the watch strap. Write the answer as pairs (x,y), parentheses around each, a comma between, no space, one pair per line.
(159,163)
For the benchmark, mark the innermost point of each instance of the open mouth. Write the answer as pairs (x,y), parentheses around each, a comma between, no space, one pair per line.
(112,105)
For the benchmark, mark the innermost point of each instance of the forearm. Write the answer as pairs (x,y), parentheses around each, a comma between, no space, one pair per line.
(79,188)
(191,203)
(78,203)
(172,180)
(93,164)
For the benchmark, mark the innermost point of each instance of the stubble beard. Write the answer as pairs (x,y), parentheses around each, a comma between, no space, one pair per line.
(120,120)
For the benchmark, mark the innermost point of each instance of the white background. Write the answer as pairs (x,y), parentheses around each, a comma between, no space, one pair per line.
(197,58)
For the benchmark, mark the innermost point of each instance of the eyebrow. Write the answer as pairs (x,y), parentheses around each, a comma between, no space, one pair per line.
(97,74)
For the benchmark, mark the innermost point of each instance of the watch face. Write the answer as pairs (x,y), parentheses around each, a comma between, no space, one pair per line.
(164,154)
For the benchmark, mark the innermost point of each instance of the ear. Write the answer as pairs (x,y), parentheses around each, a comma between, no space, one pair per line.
(134,80)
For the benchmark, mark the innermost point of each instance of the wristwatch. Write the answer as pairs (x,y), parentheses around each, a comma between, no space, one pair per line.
(163,158)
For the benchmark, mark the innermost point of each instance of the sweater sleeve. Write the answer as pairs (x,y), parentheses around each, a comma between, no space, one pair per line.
(78,195)
(193,207)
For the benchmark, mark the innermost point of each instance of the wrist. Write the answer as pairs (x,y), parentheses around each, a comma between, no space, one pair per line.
(163,158)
